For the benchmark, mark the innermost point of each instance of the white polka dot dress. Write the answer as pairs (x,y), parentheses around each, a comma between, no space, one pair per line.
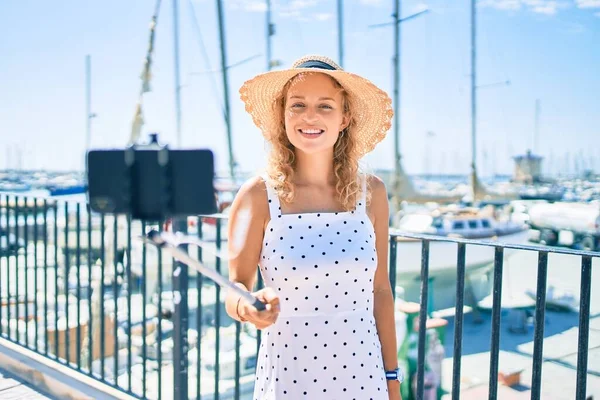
(324,344)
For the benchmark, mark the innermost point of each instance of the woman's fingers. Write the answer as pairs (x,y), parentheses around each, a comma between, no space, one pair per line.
(267,317)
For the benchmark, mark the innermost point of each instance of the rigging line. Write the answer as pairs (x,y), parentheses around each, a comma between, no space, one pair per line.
(211,77)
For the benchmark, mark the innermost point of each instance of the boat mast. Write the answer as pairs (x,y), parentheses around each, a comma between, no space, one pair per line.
(473,103)
(180,282)
(397,156)
(88,101)
(176,68)
(340,13)
(88,108)
(270,32)
(226,89)
(536,132)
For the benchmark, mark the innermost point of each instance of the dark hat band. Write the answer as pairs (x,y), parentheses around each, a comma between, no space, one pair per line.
(315,64)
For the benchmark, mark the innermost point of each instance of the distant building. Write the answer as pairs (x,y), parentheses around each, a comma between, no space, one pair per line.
(528,168)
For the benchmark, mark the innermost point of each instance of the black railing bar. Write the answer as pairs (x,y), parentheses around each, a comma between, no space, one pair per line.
(129,289)
(159,327)
(1,257)
(26,269)
(101,298)
(238,328)
(78,261)
(89,293)
(12,266)
(45,243)
(392,265)
(116,297)
(478,242)
(496,313)
(459,319)
(55,237)
(423,317)
(584,327)
(144,332)
(35,275)
(5,256)
(17,308)
(65,285)
(538,336)
(199,283)
(259,284)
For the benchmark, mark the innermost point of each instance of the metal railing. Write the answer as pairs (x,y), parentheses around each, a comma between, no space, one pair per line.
(540,306)
(79,289)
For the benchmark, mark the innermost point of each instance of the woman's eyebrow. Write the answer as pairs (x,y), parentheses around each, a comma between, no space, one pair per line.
(320,98)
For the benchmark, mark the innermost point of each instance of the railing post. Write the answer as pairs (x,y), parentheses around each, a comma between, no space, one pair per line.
(180,321)
(584,327)
(199,316)
(459,319)
(393,263)
(423,318)
(496,311)
(540,316)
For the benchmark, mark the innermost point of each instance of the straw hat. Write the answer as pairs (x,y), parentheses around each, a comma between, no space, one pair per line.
(371,106)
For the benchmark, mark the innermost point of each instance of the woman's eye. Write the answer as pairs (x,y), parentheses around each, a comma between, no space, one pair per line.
(327,106)
(297,105)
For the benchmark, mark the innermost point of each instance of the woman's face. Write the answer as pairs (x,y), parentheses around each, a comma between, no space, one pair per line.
(314,113)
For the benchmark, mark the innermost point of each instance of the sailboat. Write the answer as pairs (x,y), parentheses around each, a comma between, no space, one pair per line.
(403,189)
(476,222)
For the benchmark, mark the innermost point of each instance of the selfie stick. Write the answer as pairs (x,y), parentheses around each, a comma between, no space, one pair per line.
(169,242)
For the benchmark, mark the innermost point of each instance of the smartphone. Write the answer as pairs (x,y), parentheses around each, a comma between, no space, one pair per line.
(151,183)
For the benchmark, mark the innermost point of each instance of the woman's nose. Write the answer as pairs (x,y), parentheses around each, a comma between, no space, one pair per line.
(309,114)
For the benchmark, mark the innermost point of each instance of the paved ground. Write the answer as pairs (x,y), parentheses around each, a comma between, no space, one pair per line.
(560,337)
(12,387)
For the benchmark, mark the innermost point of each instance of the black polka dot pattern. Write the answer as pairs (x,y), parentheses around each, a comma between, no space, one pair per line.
(325,342)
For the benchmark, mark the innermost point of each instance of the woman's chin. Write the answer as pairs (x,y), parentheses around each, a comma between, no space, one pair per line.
(310,148)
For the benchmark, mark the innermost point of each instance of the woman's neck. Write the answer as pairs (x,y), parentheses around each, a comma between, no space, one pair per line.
(314,169)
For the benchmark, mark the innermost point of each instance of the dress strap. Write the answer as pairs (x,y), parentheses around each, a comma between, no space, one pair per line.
(361,202)
(274,205)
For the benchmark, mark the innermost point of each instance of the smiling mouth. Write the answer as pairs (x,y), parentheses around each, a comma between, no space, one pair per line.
(314,132)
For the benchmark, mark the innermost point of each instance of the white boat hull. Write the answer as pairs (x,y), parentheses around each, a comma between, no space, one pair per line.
(442,269)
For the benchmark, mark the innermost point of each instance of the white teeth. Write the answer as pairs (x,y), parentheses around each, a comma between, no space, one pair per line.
(311,131)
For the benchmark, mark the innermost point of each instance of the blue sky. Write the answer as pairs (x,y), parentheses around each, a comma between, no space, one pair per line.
(548,49)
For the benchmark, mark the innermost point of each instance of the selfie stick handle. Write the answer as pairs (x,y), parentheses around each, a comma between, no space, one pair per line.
(163,242)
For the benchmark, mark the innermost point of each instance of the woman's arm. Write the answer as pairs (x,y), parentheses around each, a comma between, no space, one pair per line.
(247,220)
(382,290)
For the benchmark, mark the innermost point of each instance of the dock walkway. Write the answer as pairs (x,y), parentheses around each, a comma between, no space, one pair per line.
(11,387)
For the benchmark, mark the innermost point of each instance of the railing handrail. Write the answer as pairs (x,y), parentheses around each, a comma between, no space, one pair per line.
(479,242)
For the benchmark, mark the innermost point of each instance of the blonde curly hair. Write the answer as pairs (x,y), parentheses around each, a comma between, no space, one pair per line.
(282,158)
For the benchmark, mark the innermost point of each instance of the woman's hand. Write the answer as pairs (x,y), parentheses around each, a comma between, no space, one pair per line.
(261,319)
(394,390)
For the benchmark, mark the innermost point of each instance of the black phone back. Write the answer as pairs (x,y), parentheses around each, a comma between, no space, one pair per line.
(151,184)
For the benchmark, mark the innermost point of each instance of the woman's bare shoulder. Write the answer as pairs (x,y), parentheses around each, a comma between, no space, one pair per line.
(252,194)
(378,206)
(376,186)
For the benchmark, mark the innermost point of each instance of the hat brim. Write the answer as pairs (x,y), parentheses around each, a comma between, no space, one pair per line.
(371,107)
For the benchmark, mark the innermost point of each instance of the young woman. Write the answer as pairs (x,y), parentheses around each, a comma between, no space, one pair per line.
(318,231)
